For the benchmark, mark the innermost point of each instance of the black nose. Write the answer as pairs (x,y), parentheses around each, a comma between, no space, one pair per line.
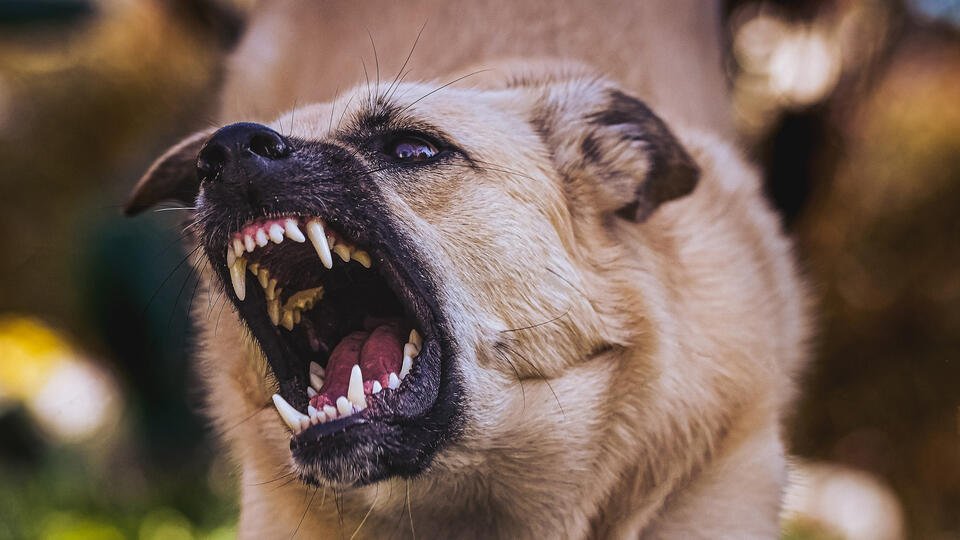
(244,141)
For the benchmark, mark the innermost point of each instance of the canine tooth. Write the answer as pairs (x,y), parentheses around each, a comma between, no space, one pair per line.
(249,243)
(263,276)
(405,367)
(319,240)
(355,390)
(272,290)
(317,368)
(237,247)
(293,232)
(231,258)
(393,382)
(377,387)
(411,350)
(273,310)
(330,411)
(276,233)
(261,237)
(362,257)
(286,320)
(343,251)
(415,338)
(316,381)
(344,407)
(304,423)
(311,392)
(239,278)
(290,416)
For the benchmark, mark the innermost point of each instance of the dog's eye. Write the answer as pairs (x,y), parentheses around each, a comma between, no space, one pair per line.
(411,149)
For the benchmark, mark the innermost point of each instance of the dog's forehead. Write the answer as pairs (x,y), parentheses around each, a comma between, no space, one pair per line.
(463,113)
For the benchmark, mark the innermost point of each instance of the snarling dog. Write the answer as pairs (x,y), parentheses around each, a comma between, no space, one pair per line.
(521,308)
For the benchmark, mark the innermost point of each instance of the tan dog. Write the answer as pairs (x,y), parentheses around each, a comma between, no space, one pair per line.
(533,308)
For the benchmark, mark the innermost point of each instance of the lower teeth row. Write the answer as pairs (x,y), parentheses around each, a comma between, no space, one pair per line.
(355,400)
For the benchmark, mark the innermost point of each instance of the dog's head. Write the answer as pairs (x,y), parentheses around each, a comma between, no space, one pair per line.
(407,258)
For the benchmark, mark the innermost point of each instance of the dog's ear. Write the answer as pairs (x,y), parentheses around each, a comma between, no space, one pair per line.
(615,145)
(172,177)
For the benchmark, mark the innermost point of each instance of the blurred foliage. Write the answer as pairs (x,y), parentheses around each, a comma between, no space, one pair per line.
(882,241)
(85,103)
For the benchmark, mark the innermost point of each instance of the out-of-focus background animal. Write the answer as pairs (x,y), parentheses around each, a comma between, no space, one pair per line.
(851,109)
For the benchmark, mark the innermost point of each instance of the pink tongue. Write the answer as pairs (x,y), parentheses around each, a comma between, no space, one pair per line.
(379,353)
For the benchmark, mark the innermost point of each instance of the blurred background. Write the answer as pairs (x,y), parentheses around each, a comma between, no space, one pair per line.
(850,109)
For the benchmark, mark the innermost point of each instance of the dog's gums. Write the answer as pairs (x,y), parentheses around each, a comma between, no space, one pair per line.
(365,362)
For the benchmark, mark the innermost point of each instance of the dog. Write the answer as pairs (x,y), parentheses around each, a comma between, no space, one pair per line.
(525,306)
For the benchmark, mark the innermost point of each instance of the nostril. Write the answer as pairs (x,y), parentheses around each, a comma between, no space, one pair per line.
(210,161)
(268,144)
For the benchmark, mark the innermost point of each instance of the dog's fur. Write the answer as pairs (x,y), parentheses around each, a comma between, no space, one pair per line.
(626,312)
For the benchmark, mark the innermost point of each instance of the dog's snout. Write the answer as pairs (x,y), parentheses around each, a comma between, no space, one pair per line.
(255,145)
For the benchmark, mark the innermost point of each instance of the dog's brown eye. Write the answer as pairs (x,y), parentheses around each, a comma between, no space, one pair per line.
(412,149)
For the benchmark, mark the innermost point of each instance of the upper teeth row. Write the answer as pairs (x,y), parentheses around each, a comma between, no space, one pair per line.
(275,231)
(355,400)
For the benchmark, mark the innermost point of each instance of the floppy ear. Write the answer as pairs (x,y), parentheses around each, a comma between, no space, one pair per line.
(624,153)
(173,176)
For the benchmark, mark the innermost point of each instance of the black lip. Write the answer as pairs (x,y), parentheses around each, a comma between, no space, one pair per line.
(399,433)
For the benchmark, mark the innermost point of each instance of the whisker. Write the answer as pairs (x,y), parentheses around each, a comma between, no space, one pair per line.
(171,209)
(413,532)
(166,279)
(536,325)
(265,482)
(441,87)
(304,513)
(543,377)
(400,74)
(364,520)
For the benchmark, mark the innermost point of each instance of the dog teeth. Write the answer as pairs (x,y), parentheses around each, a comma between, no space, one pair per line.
(238,277)
(293,231)
(317,368)
(276,233)
(292,417)
(260,237)
(377,387)
(271,290)
(330,411)
(355,390)
(318,237)
(342,251)
(316,381)
(316,417)
(405,367)
(286,320)
(273,311)
(415,338)
(393,381)
(288,314)
(311,393)
(343,406)
(362,257)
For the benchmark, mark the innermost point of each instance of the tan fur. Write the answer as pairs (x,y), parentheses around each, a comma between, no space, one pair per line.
(683,330)
(643,393)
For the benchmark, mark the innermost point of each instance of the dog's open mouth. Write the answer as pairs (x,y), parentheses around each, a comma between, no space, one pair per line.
(326,315)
